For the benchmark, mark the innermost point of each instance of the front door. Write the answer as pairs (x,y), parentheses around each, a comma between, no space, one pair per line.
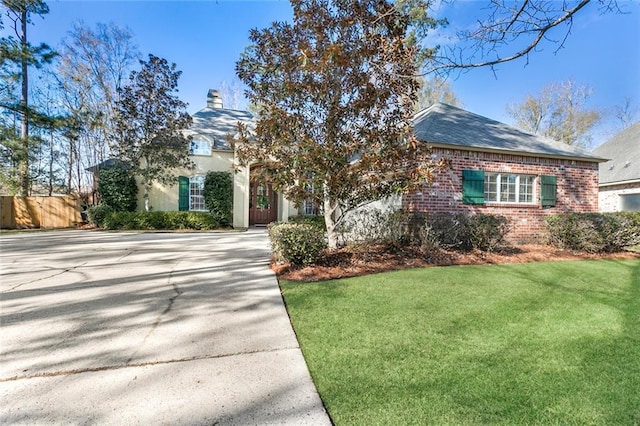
(263,204)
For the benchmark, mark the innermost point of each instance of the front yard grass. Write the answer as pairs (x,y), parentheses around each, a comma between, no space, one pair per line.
(538,343)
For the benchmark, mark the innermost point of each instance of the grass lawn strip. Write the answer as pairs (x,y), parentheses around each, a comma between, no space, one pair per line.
(555,342)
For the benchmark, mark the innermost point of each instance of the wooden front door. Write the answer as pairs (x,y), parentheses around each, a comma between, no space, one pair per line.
(263,204)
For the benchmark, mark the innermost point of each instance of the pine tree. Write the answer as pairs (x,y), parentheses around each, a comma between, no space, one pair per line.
(17,54)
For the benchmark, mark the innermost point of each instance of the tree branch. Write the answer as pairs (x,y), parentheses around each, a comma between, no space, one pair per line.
(504,26)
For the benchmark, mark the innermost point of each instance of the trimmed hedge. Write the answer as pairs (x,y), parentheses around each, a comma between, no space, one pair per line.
(300,244)
(155,220)
(374,226)
(96,215)
(594,232)
(449,231)
(309,219)
(459,231)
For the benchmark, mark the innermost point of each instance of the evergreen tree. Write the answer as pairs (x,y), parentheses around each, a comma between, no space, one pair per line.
(17,54)
(150,123)
(335,92)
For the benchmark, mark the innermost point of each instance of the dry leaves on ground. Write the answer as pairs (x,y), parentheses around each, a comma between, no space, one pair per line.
(357,261)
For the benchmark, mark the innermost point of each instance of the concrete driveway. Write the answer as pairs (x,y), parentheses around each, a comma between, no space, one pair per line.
(148,328)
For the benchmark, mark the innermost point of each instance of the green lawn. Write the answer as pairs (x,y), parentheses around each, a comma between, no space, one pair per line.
(539,343)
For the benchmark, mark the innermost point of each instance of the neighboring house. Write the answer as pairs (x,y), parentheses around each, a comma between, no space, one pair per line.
(498,169)
(620,176)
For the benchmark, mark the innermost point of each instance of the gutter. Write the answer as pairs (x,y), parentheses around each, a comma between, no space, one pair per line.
(522,153)
(621,182)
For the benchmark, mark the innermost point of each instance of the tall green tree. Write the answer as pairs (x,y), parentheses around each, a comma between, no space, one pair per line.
(559,112)
(17,54)
(336,91)
(150,123)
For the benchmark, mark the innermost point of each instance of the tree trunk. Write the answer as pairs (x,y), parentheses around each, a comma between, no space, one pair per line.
(146,188)
(330,209)
(50,162)
(23,164)
(70,166)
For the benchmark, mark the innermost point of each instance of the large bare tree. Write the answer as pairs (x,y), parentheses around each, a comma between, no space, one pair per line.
(94,63)
(436,89)
(559,112)
(335,91)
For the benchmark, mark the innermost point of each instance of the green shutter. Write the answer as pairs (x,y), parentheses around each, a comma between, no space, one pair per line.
(473,186)
(548,188)
(183,193)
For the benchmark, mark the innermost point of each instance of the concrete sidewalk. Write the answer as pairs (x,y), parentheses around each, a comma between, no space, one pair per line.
(150,328)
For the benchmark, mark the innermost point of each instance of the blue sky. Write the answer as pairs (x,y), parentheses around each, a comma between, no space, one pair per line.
(205,38)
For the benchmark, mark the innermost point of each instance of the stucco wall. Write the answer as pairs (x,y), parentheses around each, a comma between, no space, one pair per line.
(577,189)
(609,196)
(165,198)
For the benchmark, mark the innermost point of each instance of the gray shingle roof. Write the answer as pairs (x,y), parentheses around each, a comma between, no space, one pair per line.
(624,152)
(443,124)
(217,123)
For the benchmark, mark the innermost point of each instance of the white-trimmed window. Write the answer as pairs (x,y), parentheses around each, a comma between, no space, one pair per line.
(200,147)
(508,188)
(196,193)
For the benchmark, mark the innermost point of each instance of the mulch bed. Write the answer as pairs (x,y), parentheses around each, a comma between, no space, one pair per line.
(364,260)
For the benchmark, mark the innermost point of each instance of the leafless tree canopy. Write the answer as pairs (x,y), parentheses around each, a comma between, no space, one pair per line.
(512,30)
(558,112)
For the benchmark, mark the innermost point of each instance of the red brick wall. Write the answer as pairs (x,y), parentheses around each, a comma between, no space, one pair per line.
(577,189)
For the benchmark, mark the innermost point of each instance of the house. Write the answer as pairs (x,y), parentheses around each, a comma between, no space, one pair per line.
(498,169)
(620,176)
(494,169)
(254,202)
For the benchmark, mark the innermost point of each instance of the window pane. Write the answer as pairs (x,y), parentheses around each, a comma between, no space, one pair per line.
(196,193)
(490,187)
(526,189)
(508,188)
(262,197)
(200,147)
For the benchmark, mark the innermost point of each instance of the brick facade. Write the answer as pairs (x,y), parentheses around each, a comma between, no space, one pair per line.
(577,189)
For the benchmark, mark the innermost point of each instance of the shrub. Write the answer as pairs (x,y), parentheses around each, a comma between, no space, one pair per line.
(300,244)
(97,214)
(449,231)
(455,231)
(487,232)
(594,232)
(374,226)
(161,220)
(218,196)
(314,220)
(117,188)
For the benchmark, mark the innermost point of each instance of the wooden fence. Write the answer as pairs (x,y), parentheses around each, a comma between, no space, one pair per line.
(39,212)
